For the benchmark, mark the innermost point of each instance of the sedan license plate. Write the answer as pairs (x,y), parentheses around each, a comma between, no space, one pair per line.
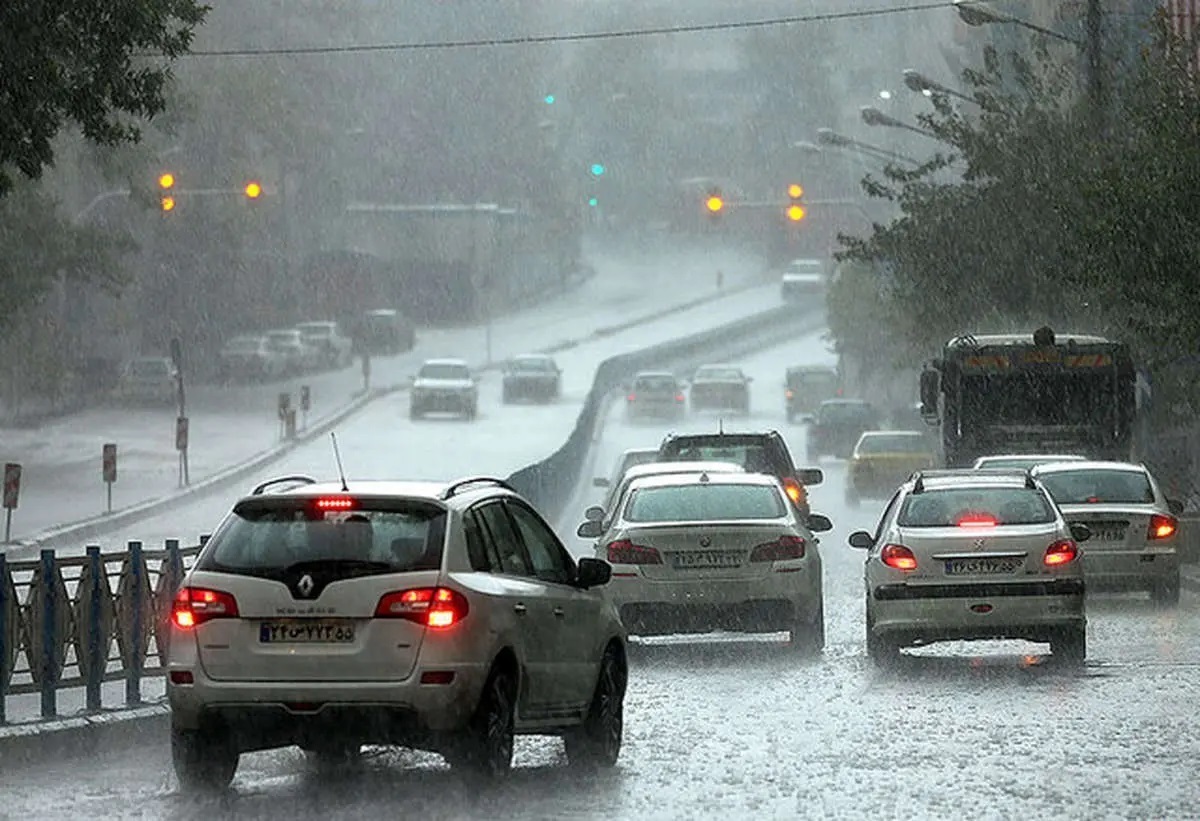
(1108,533)
(706,560)
(983,566)
(305,632)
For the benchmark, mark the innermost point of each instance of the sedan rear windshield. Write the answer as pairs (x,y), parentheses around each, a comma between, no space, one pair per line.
(444,372)
(656,383)
(704,502)
(271,537)
(978,506)
(1078,487)
(723,374)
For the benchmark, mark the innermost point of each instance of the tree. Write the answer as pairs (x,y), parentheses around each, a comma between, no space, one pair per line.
(100,66)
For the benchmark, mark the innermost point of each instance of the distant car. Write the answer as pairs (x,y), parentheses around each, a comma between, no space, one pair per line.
(883,460)
(250,357)
(446,386)
(150,379)
(720,387)
(627,460)
(756,451)
(655,394)
(1022,461)
(385,331)
(299,356)
(616,493)
(531,376)
(802,280)
(807,386)
(837,425)
(694,553)
(963,555)
(335,348)
(1135,532)
(442,617)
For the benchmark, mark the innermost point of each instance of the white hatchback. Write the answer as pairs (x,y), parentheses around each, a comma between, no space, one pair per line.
(440,617)
(694,553)
(973,554)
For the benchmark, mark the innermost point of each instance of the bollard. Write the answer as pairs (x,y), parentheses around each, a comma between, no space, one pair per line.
(133,673)
(49,643)
(97,666)
(289,424)
(5,650)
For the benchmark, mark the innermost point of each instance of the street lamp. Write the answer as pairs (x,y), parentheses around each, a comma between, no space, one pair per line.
(974,13)
(873,116)
(827,136)
(918,82)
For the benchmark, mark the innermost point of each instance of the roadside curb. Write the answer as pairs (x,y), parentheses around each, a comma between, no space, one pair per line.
(27,744)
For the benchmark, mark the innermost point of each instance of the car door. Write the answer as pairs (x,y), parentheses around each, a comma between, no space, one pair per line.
(576,613)
(526,595)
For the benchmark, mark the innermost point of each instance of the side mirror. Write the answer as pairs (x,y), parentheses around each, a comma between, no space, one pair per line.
(592,573)
(818,523)
(600,481)
(1175,506)
(595,513)
(810,477)
(591,529)
(1080,532)
(861,539)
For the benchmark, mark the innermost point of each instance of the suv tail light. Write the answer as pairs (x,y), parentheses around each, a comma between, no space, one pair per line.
(784,548)
(795,491)
(1064,551)
(437,607)
(898,556)
(195,605)
(1162,527)
(624,551)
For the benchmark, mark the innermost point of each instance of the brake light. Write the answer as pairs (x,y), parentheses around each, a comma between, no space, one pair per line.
(1064,551)
(790,394)
(795,491)
(632,397)
(977,520)
(679,397)
(195,605)
(336,503)
(437,607)
(624,551)
(898,556)
(1162,527)
(784,548)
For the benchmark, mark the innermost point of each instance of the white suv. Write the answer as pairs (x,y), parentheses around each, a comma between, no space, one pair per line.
(973,554)
(433,616)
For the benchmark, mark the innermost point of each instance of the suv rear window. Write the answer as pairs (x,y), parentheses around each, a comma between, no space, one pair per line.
(704,502)
(1079,487)
(846,413)
(954,507)
(269,537)
(656,383)
(440,370)
(753,455)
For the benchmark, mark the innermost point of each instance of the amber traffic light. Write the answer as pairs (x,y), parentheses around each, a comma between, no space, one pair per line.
(253,190)
(795,209)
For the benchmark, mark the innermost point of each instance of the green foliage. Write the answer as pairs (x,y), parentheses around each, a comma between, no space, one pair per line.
(100,66)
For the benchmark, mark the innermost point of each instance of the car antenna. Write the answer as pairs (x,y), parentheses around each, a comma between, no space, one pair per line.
(337,454)
(720,425)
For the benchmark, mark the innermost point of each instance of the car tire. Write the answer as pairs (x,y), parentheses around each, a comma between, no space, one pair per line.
(486,747)
(1166,593)
(203,761)
(1070,644)
(808,638)
(597,743)
(415,413)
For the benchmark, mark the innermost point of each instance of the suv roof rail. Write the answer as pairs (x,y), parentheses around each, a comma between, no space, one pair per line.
(297,479)
(454,487)
(918,478)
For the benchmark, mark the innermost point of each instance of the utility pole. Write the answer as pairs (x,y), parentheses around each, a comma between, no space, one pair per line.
(1094,46)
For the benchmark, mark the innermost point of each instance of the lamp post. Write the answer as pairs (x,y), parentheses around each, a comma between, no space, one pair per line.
(874,117)
(918,82)
(829,137)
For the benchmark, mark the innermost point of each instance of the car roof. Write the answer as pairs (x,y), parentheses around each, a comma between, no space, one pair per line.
(1046,457)
(987,340)
(721,434)
(640,374)
(639,451)
(879,434)
(291,487)
(857,402)
(538,357)
(968,478)
(283,331)
(673,479)
(1087,464)
(317,323)
(674,468)
(445,361)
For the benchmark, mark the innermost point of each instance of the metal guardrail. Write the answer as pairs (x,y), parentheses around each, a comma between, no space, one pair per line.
(62,618)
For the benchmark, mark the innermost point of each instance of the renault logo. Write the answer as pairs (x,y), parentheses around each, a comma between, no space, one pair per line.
(305,585)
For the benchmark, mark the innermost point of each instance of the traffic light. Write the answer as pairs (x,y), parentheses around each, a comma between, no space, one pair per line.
(166,182)
(714,203)
(795,209)
(253,190)
(597,169)
(593,202)
(548,99)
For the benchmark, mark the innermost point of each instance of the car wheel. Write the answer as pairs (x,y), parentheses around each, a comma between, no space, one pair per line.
(486,749)
(1166,593)
(203,761)
(808,638)
(1070,644)
(414,412)
(597,743)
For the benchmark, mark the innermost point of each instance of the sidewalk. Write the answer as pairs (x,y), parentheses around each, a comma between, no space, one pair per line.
(61,461)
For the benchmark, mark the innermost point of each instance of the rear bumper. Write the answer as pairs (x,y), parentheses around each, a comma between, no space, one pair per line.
(443,402)
(719,398)
(530,389)
(1130,569)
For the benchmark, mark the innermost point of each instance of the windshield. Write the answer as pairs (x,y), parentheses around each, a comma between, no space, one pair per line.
(846,413)
(1076,487)
(656,384)
(444,371)
(703,502)
(820,382)
(966,507)
(723,374)
(532,365)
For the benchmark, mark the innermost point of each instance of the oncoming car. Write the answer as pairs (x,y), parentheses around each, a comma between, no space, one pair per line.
(701,552)
(433,616)
(973,555)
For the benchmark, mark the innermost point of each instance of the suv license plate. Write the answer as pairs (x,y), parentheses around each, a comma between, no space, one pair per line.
(982,567)
(305,632)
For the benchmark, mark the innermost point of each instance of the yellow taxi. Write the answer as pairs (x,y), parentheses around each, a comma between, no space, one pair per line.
(883,460)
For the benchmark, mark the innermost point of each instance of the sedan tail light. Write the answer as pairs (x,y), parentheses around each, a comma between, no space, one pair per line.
(898,556)
(632,397)
(195,605)
(1064,551)
(784,548)
(624,551)
(437,607)
(1162,527)
(679,397)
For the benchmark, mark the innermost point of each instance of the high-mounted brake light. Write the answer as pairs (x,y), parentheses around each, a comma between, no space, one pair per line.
(1162,527)
(195,605)
(437,607)
(898,556)
(784,548)
(336,503)
(977,520)
(624,551)
(1064,551)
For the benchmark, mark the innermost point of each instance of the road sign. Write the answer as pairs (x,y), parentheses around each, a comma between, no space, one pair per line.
(305,398)
(109,462)
(12,485)
(181,433)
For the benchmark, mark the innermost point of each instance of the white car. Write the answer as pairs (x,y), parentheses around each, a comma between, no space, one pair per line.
(299,356)
(616,492)
(1021,461)
(434,616)
(1134,526)
(446,386)
(966,554)
(628,459)
(335,349)
(695,553)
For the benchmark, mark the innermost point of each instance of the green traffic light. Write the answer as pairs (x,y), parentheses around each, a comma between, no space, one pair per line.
(593,202)
(597,170)
(549,98)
